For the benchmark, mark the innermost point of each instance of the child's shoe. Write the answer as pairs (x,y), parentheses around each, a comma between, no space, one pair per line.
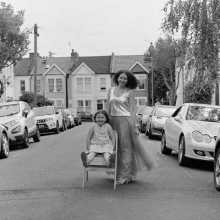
(84,159)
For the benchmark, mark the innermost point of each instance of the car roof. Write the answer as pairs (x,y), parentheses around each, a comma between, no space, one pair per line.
(201,104)
(12,103)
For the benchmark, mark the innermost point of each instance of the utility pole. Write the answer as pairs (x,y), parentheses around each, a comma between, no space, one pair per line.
(151,53)
(35,63)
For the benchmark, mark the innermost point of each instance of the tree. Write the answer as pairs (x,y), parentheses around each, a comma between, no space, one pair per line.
(197,21)
(13,40)
(29,98)
(164,61)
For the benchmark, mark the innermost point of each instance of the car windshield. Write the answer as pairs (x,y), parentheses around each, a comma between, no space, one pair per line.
(6,110)
(164,111)
(203,113)
(44,111)
(144,111)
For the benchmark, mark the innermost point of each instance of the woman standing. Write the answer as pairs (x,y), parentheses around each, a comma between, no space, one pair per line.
(121,109)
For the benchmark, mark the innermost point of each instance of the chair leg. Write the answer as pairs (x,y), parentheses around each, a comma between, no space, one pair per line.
(84,178)
(87,175)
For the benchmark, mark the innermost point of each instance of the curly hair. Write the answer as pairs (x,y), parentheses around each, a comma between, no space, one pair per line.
(132,80)
(103,112)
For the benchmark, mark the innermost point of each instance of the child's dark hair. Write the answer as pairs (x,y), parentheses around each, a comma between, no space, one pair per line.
(101,112)
(132,80)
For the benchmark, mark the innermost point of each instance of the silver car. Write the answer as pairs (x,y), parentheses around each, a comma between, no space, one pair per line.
(157,118)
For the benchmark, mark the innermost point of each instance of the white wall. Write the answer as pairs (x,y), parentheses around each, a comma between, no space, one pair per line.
(7,77)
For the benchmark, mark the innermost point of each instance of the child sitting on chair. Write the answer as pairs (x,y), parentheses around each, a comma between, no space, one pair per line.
(100,140)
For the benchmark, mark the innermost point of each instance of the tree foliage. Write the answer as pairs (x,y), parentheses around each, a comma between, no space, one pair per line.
(197,22)
(196,94)
(29,98)
(13,40)
(164,58)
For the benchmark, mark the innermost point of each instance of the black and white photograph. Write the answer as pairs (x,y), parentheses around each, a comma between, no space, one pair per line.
(110,110)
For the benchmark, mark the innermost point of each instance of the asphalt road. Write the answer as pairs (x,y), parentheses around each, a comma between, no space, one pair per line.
(44,182)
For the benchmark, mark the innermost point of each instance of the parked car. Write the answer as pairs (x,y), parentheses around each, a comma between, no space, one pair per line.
(142,117)
(70,118)
(191,131)
(76,116)
(86,116)
(48,119)
(217,162)
(64,117)
(20,122)
(157,118)
(4,146)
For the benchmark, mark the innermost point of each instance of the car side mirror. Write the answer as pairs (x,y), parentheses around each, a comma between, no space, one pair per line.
(25,113)
(178,119)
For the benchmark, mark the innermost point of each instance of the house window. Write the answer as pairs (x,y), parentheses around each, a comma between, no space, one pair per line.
(88,84)
(51,85)
(84,84)
(79,84)
(59,85)
(80,106)
(88,105)
(102,84)
(141,82)
(101,104)
(38,85)
(84,105)
(22,85)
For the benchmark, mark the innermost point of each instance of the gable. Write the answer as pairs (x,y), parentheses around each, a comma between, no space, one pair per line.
(137,68)
(54,70)
(83,69)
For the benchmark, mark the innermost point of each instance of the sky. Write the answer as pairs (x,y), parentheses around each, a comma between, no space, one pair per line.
(92,27)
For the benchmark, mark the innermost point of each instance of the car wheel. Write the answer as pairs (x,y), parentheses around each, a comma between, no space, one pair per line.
(57,128)
(63,126)
(36,137)
(164,149)
(181,152)
(4,146)
(26,139)
(217,170)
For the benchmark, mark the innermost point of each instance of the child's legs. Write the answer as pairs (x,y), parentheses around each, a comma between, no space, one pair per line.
(91,155)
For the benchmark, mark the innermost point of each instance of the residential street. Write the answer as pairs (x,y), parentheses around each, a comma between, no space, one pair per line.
(44,182)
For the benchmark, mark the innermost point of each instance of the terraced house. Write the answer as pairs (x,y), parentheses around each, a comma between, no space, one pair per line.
(79,82)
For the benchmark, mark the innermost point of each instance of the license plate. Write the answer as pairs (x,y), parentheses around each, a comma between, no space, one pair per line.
(41,126)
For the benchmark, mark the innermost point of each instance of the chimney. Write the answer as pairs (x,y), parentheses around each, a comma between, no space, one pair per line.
(74,56)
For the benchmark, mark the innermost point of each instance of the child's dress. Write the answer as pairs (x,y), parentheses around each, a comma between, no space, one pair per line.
(101,142)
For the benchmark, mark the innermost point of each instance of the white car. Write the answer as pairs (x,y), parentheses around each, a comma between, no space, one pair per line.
(19,120)
(191,131)
(48,119)
(217,163)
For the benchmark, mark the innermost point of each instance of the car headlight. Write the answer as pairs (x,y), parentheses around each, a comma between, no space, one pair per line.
(49,119)
(16,129)
(199,137)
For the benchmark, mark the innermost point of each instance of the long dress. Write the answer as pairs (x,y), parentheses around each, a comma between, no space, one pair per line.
(131,154)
